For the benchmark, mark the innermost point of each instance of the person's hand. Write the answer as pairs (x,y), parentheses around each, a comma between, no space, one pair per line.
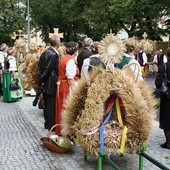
(14,77)
(39,88)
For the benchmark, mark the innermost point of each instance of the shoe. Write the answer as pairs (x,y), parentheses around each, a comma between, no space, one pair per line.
(165,146)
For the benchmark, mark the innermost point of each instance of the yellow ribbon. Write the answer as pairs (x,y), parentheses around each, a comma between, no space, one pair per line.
(123,139)
(118,111)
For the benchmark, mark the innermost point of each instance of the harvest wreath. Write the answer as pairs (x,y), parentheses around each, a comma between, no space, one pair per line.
(109,111)
(85,112)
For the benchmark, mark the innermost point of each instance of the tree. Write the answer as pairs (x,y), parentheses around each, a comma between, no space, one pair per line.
(12,19)
(66,15)
(96,18)
(134,16)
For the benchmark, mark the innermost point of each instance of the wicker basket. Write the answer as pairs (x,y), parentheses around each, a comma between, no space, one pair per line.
(51,145)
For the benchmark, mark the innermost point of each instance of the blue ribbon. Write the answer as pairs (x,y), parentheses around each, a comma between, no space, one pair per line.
(101,131)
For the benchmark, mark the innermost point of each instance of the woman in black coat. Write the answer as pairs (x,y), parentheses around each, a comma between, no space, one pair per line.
(164,102)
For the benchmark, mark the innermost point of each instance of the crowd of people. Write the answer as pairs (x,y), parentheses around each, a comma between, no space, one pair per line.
(66,74)
(57,77)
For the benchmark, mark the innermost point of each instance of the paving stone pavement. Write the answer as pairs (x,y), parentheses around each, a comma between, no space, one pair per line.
(21,127)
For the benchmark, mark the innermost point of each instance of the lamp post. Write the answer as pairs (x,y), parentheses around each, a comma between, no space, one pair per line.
(28,24)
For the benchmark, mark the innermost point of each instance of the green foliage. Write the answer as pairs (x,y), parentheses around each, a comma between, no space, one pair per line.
(92,18)
(12,18)
(134,16)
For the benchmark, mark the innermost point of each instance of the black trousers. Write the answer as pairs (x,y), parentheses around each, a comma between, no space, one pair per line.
(49,111)
(1,86)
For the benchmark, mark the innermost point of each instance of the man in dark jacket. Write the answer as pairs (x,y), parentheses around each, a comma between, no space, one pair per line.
(164,116)
(142,59)
(160,58)
(47,78)
(85,53)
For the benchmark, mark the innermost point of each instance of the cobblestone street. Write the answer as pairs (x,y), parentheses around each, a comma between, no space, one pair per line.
(22,126)
(84,85)
(19,142)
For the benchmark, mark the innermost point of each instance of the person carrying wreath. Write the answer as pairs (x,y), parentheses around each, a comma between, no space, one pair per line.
(129,58)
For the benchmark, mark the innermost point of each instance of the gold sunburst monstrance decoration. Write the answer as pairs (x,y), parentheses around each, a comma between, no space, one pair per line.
(111,49)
